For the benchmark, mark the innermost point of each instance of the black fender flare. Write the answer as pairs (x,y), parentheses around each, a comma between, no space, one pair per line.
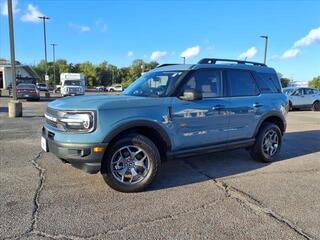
(268,115)
(139,123)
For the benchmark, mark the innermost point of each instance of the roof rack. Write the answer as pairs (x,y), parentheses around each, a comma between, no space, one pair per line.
(215,60)
(167,64)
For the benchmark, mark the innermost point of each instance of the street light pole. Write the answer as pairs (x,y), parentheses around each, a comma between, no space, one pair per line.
(184,60)
(265,48)
(44,18)
(12,53)
(54,60)
(14,107)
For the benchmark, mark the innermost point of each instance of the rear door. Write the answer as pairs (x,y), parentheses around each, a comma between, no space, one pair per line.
(245,104)
(310,96)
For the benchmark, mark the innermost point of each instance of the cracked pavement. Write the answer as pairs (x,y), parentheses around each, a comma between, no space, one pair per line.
(218,196)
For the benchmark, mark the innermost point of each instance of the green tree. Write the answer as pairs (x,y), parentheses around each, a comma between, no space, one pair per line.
(315,82)
(284,82)
(89,70)
(102,73)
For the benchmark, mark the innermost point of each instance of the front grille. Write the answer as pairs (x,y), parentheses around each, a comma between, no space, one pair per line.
(54,113)
(73,90)
(51,123)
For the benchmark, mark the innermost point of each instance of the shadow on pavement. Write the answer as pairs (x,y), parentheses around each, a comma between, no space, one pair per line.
(225,164)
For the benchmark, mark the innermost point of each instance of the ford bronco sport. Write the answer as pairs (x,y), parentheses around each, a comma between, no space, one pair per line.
(172,111)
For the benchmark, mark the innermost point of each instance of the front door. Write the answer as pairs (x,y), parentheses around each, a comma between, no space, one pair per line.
(298,97)
(201,122)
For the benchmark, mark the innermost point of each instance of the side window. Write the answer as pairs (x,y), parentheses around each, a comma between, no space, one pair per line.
(241,83)
(268,83)
(207,81)
(308,91)
(298,92)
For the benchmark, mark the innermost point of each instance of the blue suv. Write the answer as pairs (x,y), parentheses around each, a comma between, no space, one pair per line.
(170,112)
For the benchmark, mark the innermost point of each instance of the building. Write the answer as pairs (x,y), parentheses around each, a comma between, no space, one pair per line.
(24,74)
(297,84)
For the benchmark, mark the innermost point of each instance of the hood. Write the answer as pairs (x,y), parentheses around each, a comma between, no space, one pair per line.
(103,101)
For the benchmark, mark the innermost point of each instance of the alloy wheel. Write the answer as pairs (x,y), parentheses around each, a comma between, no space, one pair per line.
(270,143)
(130,164)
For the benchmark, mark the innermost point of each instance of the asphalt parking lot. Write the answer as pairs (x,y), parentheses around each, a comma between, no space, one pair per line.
(219,196)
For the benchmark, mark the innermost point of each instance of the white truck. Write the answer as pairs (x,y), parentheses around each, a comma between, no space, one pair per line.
(72,84)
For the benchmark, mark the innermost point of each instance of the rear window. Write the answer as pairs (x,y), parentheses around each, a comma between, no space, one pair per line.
(241,83)
(268,83)
(26,86)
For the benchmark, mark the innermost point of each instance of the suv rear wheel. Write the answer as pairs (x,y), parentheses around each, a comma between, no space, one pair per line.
(268,143)
(316,106)
(131,164)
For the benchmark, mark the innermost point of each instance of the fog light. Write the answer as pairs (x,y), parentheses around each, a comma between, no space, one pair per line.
(98,149)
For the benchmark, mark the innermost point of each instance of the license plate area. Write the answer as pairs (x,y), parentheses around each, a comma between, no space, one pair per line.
(44,144)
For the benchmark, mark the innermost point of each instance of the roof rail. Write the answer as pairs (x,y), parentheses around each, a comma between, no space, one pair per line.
(167,64)
(215,60)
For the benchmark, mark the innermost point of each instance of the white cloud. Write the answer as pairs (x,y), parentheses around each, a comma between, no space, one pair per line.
(4,7)
(84,29)
(312,37)
(130,54)
(250,53)
(291,53)
(32,14)
(157,55)
(79,27)
(190,52)
(102,26)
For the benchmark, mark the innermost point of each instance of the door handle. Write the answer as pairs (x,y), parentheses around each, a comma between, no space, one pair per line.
(257,105)
(218,107)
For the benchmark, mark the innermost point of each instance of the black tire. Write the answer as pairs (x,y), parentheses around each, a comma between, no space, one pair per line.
(290,106)
(141,142)
(257,150)
(316,106)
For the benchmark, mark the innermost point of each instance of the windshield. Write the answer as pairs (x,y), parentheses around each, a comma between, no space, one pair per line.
(153,84)
(72,83)
(288,91)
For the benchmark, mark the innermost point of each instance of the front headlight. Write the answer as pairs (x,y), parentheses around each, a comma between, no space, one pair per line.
(73,121)
(77,121)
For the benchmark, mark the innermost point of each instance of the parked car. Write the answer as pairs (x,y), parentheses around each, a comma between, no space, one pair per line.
(42,87)
(302,97)
(170,112)
(100,88)
(28,91)
(114,88)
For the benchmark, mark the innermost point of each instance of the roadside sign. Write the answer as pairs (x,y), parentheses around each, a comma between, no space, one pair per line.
(46,77)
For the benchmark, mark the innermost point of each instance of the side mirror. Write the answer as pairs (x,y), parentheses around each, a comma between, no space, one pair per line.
(191,94)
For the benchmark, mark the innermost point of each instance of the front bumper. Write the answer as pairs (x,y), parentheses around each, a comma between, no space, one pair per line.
(78,155)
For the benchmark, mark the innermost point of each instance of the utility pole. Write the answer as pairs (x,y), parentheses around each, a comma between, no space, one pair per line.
(15,107)
(184,60)
(54,60)
(12,53)
(44,18)
(265,48)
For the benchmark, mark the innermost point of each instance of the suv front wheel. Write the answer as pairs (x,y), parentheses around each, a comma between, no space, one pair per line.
(268,143)
(131,164)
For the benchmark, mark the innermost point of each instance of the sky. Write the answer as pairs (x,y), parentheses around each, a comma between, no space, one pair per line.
(164,31)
